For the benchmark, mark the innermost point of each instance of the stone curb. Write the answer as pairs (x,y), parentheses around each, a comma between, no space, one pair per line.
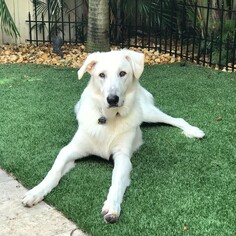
(41,220)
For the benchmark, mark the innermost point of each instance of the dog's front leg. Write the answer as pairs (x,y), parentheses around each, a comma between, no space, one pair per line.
(63,163)
(120,181)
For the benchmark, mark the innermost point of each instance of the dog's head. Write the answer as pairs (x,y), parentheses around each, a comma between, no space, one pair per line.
(114,74)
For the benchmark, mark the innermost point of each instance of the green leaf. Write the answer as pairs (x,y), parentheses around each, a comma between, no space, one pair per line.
(7,23)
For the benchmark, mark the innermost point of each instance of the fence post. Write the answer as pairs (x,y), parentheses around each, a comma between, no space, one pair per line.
(182,29)
(234,48)
(149,33)
(227,52)
(199,50)
(206,32)
(211,48)
(136,20)
(30,28)
(161,15)
(76,23)
(221,34)
(49,21)
(62,21)
(43,24)
(69,26)
(82,28)
(171,25)
(194,29)
(36,21)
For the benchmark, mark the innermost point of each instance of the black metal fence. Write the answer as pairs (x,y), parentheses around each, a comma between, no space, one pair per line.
(205,34)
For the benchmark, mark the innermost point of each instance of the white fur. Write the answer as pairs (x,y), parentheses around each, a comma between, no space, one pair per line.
(120,136)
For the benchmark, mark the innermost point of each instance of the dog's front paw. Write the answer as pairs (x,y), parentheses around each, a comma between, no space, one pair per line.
(33,197)
(193,132)
(110,212)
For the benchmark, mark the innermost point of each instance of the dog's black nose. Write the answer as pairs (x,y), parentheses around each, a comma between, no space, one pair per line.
(113,100)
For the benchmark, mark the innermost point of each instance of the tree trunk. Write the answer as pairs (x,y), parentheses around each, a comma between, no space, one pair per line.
(98,26)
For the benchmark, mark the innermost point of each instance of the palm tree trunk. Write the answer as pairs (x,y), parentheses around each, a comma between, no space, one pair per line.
(98,26)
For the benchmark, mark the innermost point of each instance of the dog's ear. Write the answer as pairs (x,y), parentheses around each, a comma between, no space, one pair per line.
(88,65)
(136,59)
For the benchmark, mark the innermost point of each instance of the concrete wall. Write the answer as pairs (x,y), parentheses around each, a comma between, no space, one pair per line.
(19,10)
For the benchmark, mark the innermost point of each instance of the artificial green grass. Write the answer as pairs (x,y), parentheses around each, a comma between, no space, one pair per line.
(176,181)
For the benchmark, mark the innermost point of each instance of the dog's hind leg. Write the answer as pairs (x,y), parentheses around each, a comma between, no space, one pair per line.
(63,163)
(152,114)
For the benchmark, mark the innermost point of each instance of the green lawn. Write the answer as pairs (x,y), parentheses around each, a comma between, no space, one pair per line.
(176,181)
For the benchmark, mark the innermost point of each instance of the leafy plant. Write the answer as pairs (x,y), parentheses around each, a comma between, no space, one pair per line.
(227,37)
(53,9)
(7,23)
(136,17)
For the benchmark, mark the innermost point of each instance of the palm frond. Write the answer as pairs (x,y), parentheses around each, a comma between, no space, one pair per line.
(7,23)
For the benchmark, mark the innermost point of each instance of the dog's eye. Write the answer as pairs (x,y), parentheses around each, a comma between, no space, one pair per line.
(122,73)
(102,75)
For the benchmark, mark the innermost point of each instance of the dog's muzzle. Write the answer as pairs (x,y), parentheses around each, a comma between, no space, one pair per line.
(113,100)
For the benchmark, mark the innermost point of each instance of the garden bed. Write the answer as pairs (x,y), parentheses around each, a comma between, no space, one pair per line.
(73,55)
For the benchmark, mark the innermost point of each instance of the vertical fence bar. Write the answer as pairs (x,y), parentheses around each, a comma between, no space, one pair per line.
(76,22)
(221,34)
(36,21)
(199,50)
(62,21)
(43,30)
(55,28)
(187,43)
(206,33)
(194,30)
(122,26)
(176,43)
(49,21)
(161,15)
(234,47)
(136,23)
(227,52)
(112,26)
(129,26)
(119,29)
(112,39)
(156,35)
(149,33)
(182,29)
(187,32)
(143,30)
(187,36)
(69,25)
(30,28)
(171,25)
(211,49)
(165,40)
(82,29)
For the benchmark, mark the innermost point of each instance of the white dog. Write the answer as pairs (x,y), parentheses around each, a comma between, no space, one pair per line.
(110,112)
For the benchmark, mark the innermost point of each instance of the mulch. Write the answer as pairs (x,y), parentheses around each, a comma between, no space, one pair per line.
(73,55)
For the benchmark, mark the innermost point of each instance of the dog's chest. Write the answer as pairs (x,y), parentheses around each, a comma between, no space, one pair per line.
(106,137)
(104,129)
